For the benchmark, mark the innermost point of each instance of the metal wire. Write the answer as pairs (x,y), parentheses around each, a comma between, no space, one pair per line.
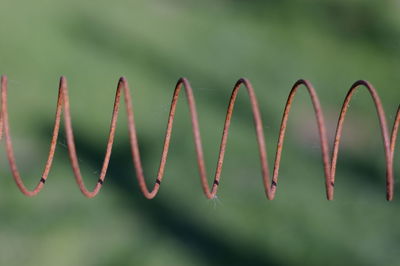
(329,162)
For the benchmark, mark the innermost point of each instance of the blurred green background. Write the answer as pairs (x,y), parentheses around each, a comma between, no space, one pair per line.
(213,43)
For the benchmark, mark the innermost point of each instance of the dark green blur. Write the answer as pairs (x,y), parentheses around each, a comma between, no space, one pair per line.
(213,44)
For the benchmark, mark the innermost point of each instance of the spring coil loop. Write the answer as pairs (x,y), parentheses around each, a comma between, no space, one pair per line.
(329,162)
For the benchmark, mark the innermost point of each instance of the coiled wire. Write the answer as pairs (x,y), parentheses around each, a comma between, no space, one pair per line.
(270,184)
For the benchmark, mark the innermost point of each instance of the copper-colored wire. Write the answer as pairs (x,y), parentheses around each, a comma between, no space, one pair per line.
(270,186)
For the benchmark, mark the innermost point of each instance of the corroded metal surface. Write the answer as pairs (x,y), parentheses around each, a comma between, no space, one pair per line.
(329,162)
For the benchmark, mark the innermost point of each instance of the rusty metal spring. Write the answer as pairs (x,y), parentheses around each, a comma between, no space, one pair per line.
(329,162)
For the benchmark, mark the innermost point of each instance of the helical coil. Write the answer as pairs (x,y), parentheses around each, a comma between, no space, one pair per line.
(329,162)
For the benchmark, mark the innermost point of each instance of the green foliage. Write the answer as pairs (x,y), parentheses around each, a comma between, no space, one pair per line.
(213,43)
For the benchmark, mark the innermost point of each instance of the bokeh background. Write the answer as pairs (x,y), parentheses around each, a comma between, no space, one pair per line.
(213,43)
